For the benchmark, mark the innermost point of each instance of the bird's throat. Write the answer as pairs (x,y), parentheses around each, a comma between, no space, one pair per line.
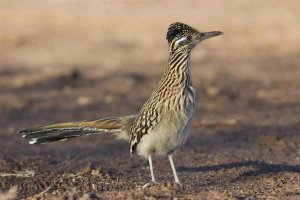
(178,66)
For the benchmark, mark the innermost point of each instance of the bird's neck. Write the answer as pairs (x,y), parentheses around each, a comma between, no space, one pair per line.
(177,76)
(178,66)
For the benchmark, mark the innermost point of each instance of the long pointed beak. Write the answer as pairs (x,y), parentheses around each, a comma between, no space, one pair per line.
(206,35)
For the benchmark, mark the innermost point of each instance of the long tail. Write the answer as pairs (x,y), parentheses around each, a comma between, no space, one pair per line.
(64,131)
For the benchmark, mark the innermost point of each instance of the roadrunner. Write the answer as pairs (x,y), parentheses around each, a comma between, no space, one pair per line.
(162,125)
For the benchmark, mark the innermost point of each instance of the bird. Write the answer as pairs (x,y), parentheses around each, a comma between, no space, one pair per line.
(163,122)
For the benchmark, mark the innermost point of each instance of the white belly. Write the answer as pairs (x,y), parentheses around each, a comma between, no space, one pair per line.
(168,135)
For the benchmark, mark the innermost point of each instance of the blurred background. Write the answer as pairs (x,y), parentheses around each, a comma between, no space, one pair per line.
(69,60)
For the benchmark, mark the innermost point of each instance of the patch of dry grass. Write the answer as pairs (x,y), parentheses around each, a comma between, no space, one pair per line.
(11,194)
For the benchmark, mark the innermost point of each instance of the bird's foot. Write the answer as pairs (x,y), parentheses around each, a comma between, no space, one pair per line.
(171,184)
(150,184)
(178,184)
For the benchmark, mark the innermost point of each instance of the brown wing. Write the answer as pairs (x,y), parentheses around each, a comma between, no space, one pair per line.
(146,120)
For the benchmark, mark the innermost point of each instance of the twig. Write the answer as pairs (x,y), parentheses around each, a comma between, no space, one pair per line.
(43,192)
(72,176)
(23,174)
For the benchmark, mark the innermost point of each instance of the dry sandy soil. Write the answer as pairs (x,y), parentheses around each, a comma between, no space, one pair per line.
(63,60)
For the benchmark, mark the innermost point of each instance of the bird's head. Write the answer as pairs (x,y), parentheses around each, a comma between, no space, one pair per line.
(182,37)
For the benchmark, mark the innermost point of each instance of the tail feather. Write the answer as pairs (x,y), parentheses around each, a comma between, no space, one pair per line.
(64,131)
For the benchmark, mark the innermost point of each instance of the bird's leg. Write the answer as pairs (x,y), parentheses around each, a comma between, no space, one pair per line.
(151,169)
(173,168)
(152,173)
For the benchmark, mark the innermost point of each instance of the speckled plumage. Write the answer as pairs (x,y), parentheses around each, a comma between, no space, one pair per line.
(162,125)
(174,95)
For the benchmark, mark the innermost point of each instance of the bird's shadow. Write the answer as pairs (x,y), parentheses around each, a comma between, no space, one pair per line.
(261,168)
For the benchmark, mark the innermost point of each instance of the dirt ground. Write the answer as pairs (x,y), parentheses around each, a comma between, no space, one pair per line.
(63,60)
